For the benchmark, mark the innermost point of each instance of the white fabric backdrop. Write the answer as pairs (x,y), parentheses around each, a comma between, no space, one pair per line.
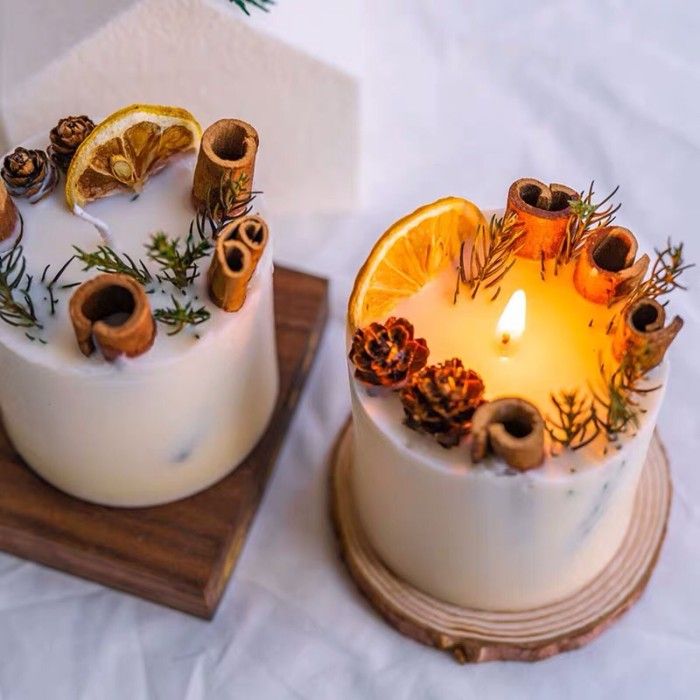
(458,98)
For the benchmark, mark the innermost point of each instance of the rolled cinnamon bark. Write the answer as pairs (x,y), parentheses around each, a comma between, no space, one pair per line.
(606,270)
(8,213)
(543,213)
(513,429)
(111,313)
(229,274)
(226,160)
(643,332)
(252,231)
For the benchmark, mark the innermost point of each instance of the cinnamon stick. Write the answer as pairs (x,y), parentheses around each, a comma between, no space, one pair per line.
(511,428)
(111,313)
(226,161)
(606,270)
(643,333)
(8,213)
(543,213)
(229,274)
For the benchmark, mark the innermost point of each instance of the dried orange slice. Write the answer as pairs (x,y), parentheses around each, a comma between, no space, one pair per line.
(409,254)
(126,148)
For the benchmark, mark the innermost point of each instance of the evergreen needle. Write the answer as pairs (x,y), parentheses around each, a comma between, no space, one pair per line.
(179,267)
(178,316)
(492,254)
(260,4)
(106,259)
(16,306)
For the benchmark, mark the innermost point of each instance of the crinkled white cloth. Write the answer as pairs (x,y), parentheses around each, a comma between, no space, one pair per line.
(458,98)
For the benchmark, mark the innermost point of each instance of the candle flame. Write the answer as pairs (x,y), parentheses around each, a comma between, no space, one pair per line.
(511,324)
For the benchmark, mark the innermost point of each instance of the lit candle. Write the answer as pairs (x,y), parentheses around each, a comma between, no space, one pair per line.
(562,347)
(461,524)
(511,324)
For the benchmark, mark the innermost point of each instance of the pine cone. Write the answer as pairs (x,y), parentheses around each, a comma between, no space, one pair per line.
(65,137)
(441,400)
(29,173)
(385,355)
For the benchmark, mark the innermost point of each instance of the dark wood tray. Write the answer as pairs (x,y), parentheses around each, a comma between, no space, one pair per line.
(181,554)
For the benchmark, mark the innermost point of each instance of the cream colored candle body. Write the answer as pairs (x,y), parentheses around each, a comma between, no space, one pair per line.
(487,536)
(157,427)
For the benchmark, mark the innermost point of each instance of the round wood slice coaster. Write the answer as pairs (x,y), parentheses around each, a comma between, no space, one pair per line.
(472,635)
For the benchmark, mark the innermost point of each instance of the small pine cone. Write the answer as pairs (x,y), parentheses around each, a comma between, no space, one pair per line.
(65,137)
(29,173)
(387,354)
(441,400)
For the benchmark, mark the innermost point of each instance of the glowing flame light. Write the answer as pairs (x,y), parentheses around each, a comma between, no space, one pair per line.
(511,324)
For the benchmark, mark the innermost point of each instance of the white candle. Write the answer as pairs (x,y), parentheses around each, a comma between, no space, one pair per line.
(485,535)
(150,429)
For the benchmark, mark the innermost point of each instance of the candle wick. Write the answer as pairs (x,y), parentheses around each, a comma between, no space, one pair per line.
(101,226)
(505,338)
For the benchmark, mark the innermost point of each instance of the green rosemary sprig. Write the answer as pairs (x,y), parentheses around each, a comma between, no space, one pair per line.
(663,279)
(586,216)
(233,195)
(16,306)
(177,266)
(106,259)
(204,225)
(492,255)
(53,300)
(612,409)
(260,4)
(576,424)
(178,316)
(618,408)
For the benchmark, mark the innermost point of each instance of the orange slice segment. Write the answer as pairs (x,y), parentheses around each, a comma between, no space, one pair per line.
(125,149)
(409,254)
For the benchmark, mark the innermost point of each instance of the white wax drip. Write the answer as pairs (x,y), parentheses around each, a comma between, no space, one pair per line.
(101,226)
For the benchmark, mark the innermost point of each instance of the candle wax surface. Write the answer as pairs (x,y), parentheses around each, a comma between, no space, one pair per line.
(149,429)
(560,349)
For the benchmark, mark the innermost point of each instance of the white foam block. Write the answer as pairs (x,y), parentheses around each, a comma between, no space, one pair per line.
(206,56)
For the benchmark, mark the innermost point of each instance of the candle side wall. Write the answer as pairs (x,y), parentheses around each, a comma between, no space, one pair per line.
(484,536)
(142,434)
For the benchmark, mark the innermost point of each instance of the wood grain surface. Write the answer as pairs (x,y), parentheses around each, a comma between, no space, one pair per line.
(181,554)
(472,635)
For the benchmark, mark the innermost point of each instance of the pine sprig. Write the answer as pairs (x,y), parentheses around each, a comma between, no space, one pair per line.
(178,316)
(106,259)
(53,300)
(179,267)
(16,306)
(233,195)
(260,4)
(576,424)
(586,216)
(663,279)
(492,255)
(612,409)
(618,408)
